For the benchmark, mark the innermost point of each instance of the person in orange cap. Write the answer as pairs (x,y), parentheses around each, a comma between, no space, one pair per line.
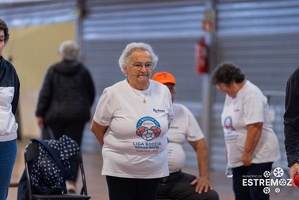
(178,184)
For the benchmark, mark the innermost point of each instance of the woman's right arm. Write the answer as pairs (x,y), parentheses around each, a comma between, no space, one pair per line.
(98,131)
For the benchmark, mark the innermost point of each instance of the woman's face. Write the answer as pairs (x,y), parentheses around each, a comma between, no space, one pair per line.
(139,68)
(2,44)
(230,89)
(171,89)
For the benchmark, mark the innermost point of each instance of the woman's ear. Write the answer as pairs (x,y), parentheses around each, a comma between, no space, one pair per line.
(125,70)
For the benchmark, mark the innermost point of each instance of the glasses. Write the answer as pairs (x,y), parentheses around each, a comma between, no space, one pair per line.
(147,66)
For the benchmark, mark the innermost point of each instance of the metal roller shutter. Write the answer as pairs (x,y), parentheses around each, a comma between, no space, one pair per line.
(32,13)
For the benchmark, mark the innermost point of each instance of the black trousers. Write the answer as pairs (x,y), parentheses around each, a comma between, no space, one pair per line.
(244,186)
(73,130)
(178,186)
(132,188)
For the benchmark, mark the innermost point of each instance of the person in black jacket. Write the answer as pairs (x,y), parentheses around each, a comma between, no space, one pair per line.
(9,98)
(65,99)
(291,123)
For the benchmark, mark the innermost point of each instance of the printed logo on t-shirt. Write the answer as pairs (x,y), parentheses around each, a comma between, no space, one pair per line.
(228,124)
(148,128)
(173,127)
(228,136)
(158,110)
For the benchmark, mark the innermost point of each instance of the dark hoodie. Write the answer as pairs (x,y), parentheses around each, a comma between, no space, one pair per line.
(291,119)
(67,93)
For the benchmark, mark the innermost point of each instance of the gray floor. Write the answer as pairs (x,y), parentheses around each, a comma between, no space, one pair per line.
(97,188)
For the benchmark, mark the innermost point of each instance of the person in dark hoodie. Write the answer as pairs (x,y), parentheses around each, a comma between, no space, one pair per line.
(9,97)
(291,124)
(65,100)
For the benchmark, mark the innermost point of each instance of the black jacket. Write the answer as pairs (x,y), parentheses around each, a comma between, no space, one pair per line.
(9,78)
(67,93)
(291,119)
(9,97)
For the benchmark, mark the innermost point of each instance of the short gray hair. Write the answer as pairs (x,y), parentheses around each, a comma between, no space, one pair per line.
(140,46)
(69,50)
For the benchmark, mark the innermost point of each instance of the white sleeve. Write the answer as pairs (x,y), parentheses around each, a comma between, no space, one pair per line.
(253,108)
(103,113)
(194,131)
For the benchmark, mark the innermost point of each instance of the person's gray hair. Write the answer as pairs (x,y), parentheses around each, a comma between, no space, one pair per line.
(226,72)
(140,46)
(69,50)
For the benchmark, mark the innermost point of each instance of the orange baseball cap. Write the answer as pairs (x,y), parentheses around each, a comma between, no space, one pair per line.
(164,77)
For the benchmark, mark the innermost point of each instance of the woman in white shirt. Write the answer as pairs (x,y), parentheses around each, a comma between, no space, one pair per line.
(130,123)
(251,143)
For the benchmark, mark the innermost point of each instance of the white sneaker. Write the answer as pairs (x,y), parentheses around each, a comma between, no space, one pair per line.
(71,187)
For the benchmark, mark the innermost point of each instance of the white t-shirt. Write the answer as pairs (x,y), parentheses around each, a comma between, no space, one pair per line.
(250,106)
(183,127)
(135,143)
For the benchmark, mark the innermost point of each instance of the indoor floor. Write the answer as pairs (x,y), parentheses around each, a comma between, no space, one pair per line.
(97,188)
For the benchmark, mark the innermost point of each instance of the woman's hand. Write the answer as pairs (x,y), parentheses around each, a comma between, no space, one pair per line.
(246,159)
(293,170)
(202,184)
(40,122)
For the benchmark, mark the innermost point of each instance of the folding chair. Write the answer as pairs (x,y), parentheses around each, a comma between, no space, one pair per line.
(29,154)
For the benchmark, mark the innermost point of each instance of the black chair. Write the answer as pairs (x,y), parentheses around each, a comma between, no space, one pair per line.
(29,154)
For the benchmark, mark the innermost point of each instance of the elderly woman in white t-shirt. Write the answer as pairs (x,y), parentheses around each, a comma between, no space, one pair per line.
(130,123)
(251,143)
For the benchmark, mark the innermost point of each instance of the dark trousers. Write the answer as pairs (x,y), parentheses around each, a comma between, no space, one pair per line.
(178,186)
(132,188)
(73,130)
(8,152)
(245,189)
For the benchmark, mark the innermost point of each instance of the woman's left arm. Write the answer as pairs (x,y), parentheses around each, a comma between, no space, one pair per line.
(99,131)
(254,132)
